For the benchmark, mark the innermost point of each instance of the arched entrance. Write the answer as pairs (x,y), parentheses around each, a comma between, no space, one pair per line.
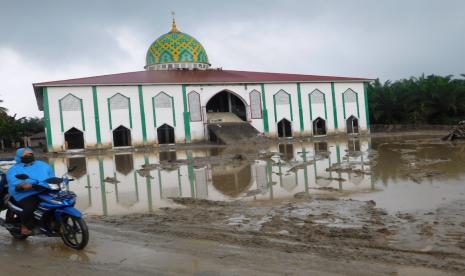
(352,125)
(165,134)
(319,126)
(121,137)
(74,139)
(284,128)
(226,101)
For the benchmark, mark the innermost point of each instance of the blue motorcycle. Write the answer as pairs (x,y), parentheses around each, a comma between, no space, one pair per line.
(55,215)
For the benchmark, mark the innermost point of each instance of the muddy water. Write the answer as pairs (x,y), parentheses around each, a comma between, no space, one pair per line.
(398,174)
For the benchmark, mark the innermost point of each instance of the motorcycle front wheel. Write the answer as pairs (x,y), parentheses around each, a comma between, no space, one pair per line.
(74,232)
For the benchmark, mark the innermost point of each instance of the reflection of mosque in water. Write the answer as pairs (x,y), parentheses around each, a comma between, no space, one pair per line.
(114,185)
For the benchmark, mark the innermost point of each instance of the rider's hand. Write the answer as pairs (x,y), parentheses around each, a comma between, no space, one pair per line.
(24,186)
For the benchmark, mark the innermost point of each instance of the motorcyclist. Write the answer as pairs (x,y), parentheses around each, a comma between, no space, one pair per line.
(21,190)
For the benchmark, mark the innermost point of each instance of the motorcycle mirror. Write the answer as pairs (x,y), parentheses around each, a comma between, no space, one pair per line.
(70,169)
(54,180)
(22,176)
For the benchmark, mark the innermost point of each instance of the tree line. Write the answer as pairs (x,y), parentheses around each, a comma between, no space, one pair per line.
(418,100)
(13,129)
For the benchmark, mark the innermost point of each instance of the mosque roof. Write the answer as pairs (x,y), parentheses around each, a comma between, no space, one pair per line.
(212,76)
(176,47)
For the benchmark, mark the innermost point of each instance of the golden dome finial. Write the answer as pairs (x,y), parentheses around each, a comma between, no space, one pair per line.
(173,26)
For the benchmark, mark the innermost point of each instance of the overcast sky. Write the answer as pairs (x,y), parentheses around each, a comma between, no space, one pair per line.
(52,40)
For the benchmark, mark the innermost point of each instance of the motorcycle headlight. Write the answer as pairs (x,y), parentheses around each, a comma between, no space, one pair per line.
(54,187)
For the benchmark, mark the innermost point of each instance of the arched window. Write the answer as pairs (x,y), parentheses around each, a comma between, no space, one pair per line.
(119,101)
(70,103)
(284,128)
(255,104)
(350,96)
(317,97)
(194,106)
(282,98)
(162,100)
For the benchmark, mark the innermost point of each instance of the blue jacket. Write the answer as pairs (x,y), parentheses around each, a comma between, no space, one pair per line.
(37,170)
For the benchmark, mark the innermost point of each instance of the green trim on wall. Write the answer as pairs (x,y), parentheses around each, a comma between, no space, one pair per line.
(301,113)
(142,113)
(48,129)
(324,102)
(310,106)
(290,105)
(187,126)
(61,115)
(60,107)
(109,114)
(264,109)
(173,110)
(344,105)
(96,115)
(367,111)
(129,111)
(274,104)
(82,115)
(154,113)
(333,93)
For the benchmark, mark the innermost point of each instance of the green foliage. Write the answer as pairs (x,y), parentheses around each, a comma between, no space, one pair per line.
(13,129)
(424,100)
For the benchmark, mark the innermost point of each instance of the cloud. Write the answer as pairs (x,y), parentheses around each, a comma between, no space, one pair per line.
(390,39)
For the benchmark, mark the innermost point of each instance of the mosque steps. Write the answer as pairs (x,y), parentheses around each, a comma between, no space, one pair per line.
(231,133)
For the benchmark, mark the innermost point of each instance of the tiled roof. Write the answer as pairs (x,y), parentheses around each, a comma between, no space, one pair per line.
(195,77)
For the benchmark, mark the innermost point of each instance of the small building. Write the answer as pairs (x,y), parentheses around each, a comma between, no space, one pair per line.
(179,94)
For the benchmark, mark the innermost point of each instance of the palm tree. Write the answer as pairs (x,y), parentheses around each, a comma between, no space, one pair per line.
(3,109)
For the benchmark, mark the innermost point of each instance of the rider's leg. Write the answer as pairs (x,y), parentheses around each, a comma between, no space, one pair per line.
(28,204)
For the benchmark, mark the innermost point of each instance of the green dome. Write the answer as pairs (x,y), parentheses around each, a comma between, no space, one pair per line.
(176,47)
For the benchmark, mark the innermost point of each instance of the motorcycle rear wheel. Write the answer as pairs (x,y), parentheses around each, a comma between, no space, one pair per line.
(12,218)
(74,232)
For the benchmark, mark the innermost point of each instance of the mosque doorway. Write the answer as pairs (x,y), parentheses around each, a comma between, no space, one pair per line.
(226,102)
(284,128)
(74,139)
(165,134)
(352,125)
(319,126)
(121,137)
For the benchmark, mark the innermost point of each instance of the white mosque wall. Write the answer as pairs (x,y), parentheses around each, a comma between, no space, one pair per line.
(317,110)
(164,115)
(54,96)
(206,92)
(173,115)
(350,109)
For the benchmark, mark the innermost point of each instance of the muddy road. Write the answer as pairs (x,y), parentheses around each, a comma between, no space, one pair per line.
(386,205)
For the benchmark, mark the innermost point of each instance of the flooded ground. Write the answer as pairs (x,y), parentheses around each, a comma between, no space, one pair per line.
(387,205)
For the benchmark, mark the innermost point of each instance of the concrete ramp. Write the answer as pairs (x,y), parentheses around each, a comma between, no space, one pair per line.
(231,133)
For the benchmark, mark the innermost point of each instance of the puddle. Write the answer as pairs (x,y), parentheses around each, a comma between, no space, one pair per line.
(398,174)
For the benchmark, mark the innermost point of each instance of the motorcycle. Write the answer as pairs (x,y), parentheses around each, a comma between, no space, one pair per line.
(54,217)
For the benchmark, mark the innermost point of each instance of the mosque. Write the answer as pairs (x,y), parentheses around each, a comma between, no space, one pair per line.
(180,98)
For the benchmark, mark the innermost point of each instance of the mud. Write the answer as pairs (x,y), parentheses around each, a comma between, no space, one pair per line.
(393,205)
(336,229)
